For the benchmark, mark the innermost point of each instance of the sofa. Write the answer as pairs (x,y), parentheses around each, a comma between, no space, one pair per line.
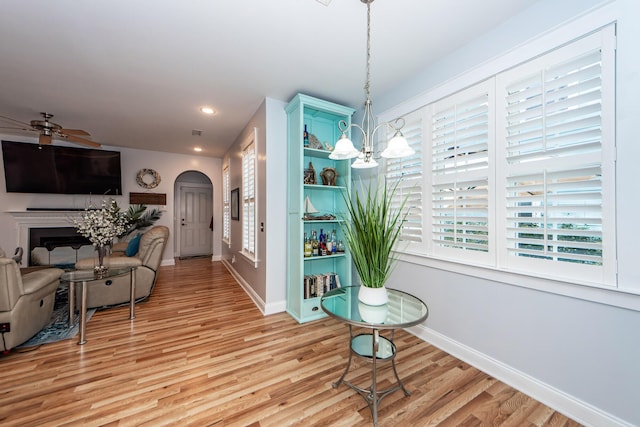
(146,257)
(26,301)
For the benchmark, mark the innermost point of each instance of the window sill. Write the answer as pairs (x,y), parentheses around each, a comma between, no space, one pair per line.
(628,299)
(250,258)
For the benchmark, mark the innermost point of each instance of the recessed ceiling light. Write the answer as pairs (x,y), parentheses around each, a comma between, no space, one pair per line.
(208,110)
(198,149)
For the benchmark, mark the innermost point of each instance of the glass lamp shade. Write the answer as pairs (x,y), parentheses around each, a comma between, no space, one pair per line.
(344,149)
(398,147)
(361,164)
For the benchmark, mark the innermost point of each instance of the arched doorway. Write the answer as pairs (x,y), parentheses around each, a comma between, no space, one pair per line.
(194,213)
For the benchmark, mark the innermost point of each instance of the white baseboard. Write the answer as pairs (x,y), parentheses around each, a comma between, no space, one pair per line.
(169,261)
(266,309)
(548,395)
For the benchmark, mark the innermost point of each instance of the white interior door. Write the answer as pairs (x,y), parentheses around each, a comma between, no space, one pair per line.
(195,219)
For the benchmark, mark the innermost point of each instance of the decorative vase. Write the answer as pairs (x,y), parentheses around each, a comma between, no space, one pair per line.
(373,296)
(101,260)
(373,313)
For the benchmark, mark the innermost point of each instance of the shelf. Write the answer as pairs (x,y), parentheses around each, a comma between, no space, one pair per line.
(324,187)
(318,258)
(313,152)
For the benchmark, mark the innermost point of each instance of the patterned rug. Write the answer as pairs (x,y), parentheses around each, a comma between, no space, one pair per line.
(58,327)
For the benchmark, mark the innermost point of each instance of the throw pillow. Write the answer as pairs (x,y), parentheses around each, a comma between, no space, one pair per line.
(132,247)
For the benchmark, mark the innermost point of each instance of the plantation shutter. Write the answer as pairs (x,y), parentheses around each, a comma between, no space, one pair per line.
(248,198)
(553,112)
(407,173)
(460,131)
(226,205)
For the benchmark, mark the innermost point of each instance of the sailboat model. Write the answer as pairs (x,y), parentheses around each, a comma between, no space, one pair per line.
(308,207)
(310,212)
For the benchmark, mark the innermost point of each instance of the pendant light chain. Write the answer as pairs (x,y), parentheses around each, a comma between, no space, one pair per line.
(368,77)
(397,147)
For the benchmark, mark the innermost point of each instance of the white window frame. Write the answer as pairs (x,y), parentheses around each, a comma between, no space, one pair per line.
(226,205)
(249,196)
(596,291)
(600,160)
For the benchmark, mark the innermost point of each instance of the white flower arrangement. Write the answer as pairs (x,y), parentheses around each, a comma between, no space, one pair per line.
(102,225)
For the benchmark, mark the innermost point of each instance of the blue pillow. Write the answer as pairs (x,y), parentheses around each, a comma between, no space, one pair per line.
(132,247)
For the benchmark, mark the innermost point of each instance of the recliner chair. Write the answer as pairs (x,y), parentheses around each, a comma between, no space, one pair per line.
(115,291)
(26,301)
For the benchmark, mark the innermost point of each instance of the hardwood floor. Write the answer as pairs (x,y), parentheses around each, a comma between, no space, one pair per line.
(200,353)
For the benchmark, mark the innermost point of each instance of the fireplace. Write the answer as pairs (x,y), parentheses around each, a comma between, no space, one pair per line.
(48,238)
(58,246)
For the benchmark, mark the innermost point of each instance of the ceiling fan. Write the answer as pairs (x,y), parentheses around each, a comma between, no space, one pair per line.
(48,130)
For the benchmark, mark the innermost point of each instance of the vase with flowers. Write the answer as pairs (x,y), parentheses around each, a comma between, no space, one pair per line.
(101,226)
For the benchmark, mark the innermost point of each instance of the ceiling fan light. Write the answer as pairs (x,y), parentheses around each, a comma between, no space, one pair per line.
(397,147)
(344,149)
(44,139)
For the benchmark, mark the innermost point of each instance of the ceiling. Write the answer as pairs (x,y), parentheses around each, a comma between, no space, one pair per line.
(135,73)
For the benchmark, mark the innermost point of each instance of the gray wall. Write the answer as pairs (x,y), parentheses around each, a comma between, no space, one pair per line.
(581,356)
(265,281)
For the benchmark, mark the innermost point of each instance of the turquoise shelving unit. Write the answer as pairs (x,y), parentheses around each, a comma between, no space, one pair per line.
(321,119)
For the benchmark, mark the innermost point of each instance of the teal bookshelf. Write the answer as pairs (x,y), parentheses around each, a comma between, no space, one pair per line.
(321,119)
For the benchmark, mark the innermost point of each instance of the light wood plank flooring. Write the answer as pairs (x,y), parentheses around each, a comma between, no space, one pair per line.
(200,353)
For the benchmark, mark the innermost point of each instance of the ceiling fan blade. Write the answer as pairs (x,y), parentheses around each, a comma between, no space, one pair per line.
(27,125)
(75,132)
(24,128)
(80,140)
(44,139)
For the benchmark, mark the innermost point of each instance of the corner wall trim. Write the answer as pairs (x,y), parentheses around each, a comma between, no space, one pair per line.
(548,395)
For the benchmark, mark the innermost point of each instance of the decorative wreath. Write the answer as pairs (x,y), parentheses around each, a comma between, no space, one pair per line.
(155,178)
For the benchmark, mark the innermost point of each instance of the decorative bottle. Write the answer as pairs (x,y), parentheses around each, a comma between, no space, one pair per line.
(305,137)
(322,244)
(314,243)
(334,242)
(308,250)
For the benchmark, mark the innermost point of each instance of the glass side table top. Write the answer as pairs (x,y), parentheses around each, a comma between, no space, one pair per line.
(402,310)
(88,275)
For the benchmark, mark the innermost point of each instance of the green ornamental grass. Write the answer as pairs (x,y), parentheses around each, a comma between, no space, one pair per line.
(372,230)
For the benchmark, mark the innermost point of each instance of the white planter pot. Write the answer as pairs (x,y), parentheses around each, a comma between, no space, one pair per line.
(373,313)
(373,296)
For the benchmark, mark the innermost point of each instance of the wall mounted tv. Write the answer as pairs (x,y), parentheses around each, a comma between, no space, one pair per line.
(33,168)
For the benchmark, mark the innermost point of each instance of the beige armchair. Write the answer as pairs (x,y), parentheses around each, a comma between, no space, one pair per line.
(115,291)
(26,301)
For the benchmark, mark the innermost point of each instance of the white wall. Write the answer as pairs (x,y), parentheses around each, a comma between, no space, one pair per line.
(264,281)
(169,166)
(581,357)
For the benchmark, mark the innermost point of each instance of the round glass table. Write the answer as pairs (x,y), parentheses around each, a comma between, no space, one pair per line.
(402,311)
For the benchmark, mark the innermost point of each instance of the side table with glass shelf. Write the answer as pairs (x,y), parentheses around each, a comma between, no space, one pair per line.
(401,311)
(314,205)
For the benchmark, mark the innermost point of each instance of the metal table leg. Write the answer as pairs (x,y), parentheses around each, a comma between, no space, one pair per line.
(71,294)
(132,296)
(83,314)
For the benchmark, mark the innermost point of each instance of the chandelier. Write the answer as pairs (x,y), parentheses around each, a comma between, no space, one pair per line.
(397,147)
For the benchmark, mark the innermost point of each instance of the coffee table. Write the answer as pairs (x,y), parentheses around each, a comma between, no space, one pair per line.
(402,310)
(86,277)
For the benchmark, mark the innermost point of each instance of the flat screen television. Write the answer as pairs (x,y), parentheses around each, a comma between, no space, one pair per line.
(33,168)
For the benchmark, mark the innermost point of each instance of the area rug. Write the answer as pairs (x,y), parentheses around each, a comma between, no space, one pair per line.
(58,327)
